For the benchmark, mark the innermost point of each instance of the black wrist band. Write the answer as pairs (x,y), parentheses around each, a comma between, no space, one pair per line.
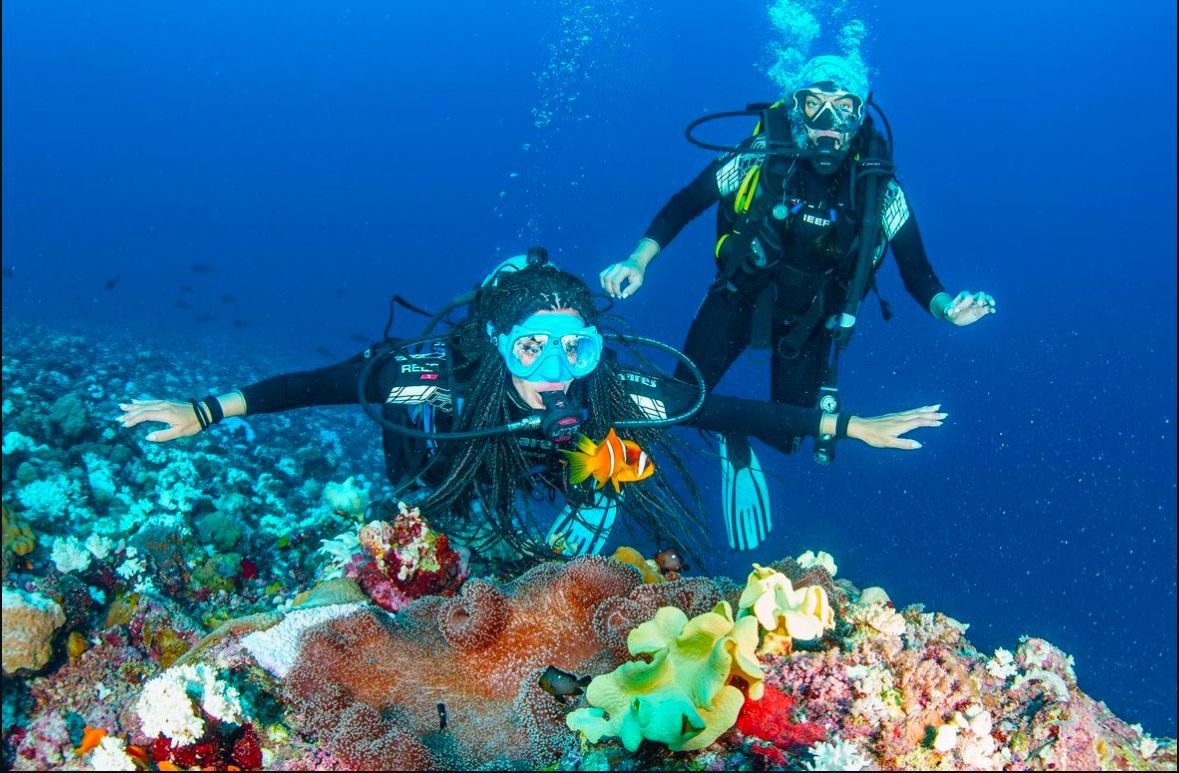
(196,408)
(841,423)
(215,412)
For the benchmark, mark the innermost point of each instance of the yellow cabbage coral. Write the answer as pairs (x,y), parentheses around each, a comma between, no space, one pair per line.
(682,697)
(784,611)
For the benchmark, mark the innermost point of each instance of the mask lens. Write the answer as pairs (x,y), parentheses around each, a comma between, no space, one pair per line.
(580,351)
(529,349)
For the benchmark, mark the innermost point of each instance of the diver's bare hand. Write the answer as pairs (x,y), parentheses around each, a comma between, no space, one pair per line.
(885,431)
(180,418)
(968,308)
(629,272)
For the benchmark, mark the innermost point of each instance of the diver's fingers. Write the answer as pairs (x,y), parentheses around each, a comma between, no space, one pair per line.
(636,281)
(130,420)
(911,424)
(162,435)
(611,279)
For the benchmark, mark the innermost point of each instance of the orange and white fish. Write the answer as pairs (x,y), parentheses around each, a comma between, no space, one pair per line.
(614,460)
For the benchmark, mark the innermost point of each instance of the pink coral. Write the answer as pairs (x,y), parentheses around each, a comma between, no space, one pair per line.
(404,560)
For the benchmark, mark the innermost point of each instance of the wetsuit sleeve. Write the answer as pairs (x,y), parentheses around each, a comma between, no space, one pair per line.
(775,424)
(900,228)
(331,385)
(685,206)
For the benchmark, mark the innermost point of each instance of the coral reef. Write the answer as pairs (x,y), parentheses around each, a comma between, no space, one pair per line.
(181,579)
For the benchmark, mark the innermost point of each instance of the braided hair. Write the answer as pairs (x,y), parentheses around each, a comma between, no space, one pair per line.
(492,470)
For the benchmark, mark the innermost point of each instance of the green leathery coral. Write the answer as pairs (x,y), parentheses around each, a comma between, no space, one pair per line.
(682,696)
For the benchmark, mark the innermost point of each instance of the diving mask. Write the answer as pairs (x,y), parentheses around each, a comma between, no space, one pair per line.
(831,117)
(551,348)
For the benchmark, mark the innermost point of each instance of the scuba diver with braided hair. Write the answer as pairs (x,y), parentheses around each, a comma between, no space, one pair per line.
(795,255)
(489,423)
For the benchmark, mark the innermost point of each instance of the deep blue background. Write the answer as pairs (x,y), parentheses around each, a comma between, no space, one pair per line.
(321,156)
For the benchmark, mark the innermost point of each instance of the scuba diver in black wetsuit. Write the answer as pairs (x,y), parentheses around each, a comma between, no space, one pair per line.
(481,420)
(792,240)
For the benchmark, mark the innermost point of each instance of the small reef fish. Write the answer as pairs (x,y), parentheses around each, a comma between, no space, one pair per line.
(670,563)
(614,460)
(91,737)
(111,283)
(562,685)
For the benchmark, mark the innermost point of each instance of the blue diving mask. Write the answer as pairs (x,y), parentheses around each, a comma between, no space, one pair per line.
(551,348)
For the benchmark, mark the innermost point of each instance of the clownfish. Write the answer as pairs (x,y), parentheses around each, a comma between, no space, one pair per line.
(614,460)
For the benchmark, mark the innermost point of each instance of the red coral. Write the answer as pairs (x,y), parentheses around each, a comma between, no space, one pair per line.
(247,749)
(769,719)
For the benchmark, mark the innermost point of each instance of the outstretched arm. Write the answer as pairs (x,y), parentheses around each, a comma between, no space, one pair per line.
(776,424)
(331,385)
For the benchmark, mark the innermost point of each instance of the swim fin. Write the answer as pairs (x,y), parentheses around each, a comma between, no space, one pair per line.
(745,498)
(583,531)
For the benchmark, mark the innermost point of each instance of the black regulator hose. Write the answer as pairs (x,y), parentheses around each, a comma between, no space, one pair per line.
(530,422)
(772,148)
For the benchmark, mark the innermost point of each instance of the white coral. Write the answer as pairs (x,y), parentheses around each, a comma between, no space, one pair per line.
(99,546)
(165,705)
(111,754)
(277,648)
(70,555)
(1002,665)
(837,755)
(339,549)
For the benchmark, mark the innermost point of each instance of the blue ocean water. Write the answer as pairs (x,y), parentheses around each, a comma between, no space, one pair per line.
(316,158)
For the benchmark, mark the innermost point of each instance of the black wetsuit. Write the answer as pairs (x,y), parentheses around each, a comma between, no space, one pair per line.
(421,391)
(810,257)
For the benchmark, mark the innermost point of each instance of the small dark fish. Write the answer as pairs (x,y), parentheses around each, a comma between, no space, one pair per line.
(110,283)
(241,323)
(186,288)
(9,271)
(323,351)
(441,715)
(203,318)
(201,268)
(563,685)
(227,298)
(670,563)
(339,291)
(181,304)
(358,338)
